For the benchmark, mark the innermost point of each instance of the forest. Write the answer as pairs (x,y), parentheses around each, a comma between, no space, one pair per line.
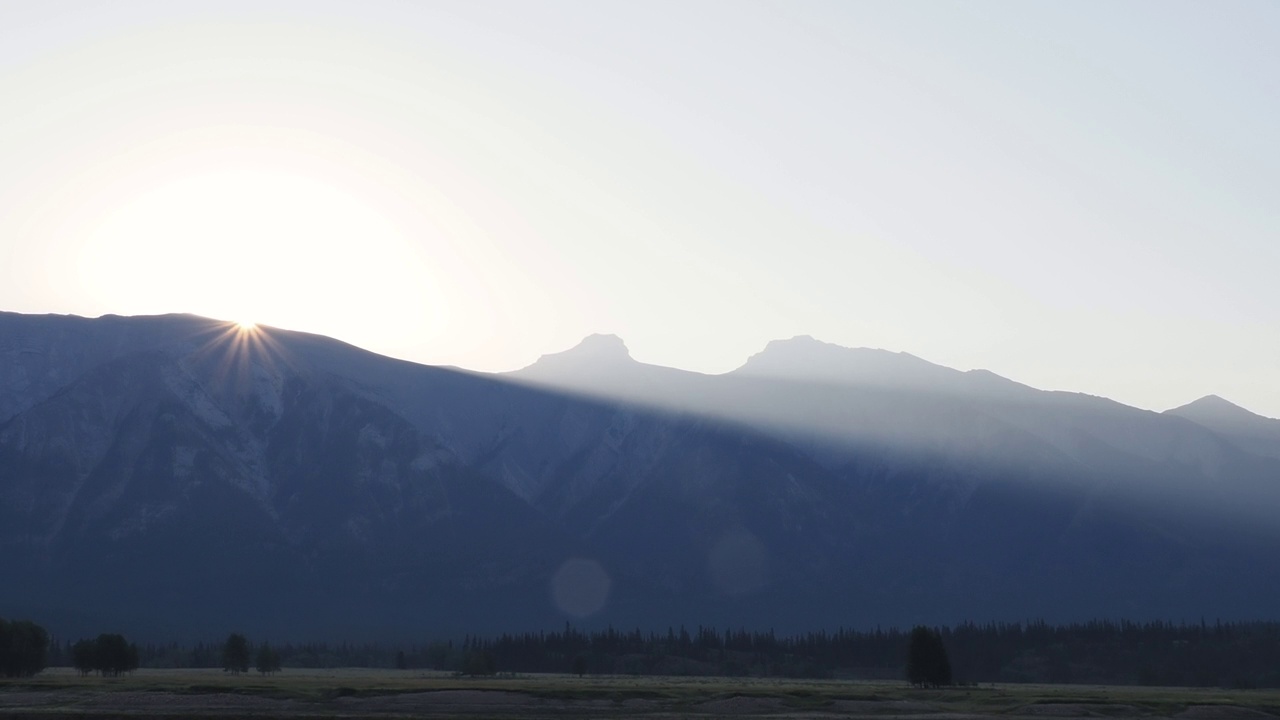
(1230,655)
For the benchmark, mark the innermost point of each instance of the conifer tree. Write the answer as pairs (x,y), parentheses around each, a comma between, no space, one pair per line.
(268,660)
(927,662)
(235,654)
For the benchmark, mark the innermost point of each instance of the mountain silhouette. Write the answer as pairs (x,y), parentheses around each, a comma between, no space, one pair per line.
(173,475)
(1249,431)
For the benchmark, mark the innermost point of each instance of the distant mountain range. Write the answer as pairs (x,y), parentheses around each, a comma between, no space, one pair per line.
(174,476)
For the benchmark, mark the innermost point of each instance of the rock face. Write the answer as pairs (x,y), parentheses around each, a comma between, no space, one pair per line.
(174,477)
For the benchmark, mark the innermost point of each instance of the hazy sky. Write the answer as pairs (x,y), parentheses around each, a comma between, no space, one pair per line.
(1077,195)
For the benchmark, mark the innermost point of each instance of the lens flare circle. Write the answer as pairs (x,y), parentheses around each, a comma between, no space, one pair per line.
(580,587)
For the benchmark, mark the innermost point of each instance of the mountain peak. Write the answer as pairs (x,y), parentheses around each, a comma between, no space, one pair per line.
(596,353)
(806,358)
(802,347)
(1250,431)
(597,347)
(800,340)
(1213,405)
(602,343)
(1217,413)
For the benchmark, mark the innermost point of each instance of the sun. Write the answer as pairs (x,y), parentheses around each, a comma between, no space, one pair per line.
(272,245)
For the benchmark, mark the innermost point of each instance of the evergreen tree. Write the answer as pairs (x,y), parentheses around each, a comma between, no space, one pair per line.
(927,662)
(478,662)
(235,654)
(268,660)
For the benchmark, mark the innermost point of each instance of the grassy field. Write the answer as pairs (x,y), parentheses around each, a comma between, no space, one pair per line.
(62,693)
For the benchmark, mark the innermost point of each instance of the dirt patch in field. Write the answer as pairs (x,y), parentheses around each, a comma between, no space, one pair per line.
(1223,712)
(445,703)
(445,700)
(1080,710)
(881,707)
(455,697)
(163,702)
(741,705)
(487,702)
(37,698)
(639,705)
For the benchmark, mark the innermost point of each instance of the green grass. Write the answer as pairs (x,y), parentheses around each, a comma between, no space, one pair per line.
(665,694)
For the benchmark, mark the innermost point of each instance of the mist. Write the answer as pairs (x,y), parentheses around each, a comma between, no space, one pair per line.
(839,403)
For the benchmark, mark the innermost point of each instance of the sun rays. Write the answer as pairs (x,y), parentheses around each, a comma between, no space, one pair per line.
(237,355)
(287,239)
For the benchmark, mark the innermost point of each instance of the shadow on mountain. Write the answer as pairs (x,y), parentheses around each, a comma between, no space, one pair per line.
(172,476)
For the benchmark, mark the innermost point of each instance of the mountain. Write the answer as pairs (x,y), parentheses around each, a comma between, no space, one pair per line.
(807,359)
(834,401)
(174,475)
(1248,431)
(601,366)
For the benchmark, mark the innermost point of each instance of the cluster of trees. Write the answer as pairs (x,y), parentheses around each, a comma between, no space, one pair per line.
(236,652)
(24,648)
(111,655)
(108,654)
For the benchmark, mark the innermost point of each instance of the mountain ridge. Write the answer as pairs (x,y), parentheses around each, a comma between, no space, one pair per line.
(773,365)
(595,346)
(156,465)
(1248,430)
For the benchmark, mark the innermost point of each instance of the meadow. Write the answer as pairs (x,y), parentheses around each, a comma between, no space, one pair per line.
(360,693)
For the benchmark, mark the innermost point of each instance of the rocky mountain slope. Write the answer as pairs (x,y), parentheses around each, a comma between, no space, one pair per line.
(175,475)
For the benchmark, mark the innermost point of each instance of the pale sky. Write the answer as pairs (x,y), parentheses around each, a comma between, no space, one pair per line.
(1076,195)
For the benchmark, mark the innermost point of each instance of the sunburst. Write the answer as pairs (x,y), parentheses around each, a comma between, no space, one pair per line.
(230,352)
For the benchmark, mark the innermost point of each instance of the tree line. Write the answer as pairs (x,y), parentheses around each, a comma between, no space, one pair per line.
(110,655)
(236,652)
(1237,655)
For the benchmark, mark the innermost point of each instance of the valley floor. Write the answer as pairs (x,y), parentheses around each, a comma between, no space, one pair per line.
(359,693)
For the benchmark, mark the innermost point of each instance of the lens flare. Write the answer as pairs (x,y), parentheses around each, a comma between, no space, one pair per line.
(580,587)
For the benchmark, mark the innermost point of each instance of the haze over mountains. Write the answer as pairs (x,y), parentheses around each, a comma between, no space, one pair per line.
(172,474)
